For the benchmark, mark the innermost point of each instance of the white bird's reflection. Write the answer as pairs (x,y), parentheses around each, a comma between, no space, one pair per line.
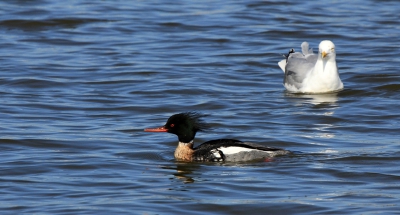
(323,107)
(315,99)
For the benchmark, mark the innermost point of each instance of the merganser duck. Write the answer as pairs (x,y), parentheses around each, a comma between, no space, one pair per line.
(186,125)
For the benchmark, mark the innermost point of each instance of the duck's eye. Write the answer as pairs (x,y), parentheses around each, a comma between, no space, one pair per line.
(332,49)
(172,125)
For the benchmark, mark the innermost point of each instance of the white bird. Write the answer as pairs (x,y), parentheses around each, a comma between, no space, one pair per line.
(310,73)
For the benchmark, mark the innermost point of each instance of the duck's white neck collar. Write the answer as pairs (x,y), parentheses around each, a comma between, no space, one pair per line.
(185,144)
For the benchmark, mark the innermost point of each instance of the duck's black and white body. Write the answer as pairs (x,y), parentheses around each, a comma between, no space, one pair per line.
(186,125)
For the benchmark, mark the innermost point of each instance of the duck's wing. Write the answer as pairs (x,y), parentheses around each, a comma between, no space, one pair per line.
(231,149)
(215,145)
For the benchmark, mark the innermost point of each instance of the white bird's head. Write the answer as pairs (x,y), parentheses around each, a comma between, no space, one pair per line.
(327,49)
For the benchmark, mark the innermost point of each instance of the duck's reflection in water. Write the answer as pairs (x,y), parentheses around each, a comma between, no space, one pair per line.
(184,171)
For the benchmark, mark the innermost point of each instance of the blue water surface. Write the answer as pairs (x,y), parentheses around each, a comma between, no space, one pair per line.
(80,80)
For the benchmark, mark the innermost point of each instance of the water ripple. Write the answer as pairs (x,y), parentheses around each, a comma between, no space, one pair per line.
(81,80)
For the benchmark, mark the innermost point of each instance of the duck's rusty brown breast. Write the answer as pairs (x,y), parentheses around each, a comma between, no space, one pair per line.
(184,151)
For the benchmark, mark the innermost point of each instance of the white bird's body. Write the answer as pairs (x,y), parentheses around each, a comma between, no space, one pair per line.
(307,72)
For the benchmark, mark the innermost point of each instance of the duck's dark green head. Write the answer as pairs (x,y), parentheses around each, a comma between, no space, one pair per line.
(184,125)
